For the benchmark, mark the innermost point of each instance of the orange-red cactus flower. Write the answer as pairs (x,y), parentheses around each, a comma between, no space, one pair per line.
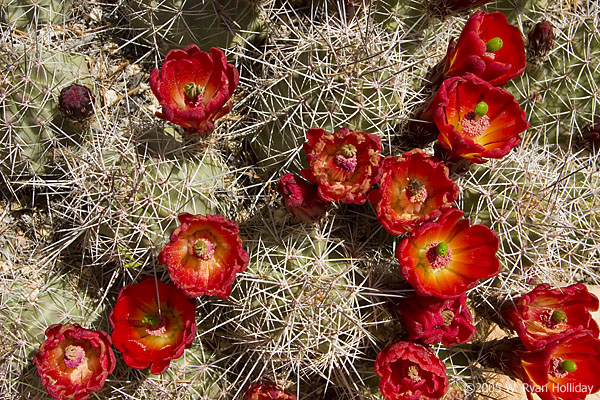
(74,362)
(476,120)
(194,87)
(447,257)
(413,189)
(488,47)
(204,255)
(267,391)
(433,320)
(410,371)
(567,369)
(344,164)
(153,323)
(546,315)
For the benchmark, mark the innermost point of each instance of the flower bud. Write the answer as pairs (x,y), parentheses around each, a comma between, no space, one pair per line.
(541,39)
(76,102)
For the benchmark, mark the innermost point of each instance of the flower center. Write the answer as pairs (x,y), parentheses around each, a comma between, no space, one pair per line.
(448,316)
(74,356)
(416,191)
(193,92)
(204,249)
(474,125)
(346,158)
(155,326)
(439,255)
(413,373)
(551,318)
(560,368)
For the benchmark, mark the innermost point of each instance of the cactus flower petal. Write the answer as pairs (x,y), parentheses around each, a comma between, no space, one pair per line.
(468,135)
(344,164)
(410,371)
(267,391)
(204,255)
(470,255)
(546,315)
(413,189)
(153,323)
(301,199)
(73,362)
(471,53)
(193,87)
(434,320)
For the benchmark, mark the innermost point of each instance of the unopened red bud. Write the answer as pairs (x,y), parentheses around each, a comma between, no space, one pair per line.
(76,102)
(541,39)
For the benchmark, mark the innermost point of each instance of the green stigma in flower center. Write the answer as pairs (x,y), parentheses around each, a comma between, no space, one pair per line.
(204,249)
(151,319)
(416,191)
(481,108)
(568,366)
(448,316)
(493,45)
(192,91)
(441,249)
(348,151)
(559,316)
(74,355)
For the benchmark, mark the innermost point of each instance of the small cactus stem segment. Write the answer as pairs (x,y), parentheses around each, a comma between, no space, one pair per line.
(155,326)
(416,191)
(346,158)
(559,316)
(448,316)
(74,356)
(474,125)
(568,366)
(204,249)
(193,91)
(493,45)
(439,255)
(413,373)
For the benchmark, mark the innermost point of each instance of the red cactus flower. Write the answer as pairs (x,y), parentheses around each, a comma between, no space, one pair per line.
(267,391)
(409,371)
(447,257)
(434,320)
(546,315)
(153,323)
(73,362)
(344,164)
(413,189)
(193,87)
(476,120)
(488,47)
(301,199)
(204,255)
(567,369)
